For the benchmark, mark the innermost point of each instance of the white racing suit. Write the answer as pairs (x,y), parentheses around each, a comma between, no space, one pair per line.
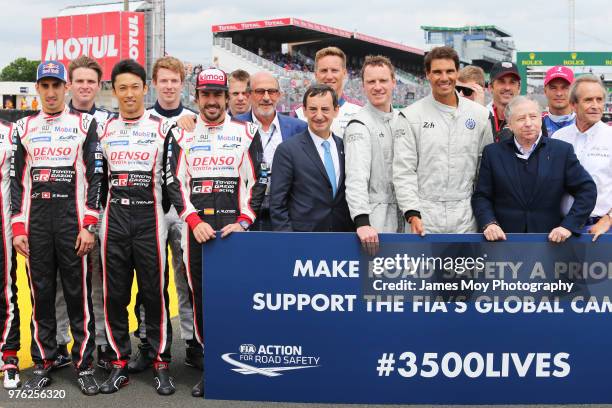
(368,146)
(437,156)
(63,336)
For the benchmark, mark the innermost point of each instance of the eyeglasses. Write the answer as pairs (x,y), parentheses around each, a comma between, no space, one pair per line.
(464,90)
(262,91)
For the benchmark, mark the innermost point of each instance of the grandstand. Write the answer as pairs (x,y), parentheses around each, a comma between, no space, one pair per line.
(286,48)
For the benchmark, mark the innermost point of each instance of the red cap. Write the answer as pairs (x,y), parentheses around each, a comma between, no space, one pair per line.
(212,78)
(559,72)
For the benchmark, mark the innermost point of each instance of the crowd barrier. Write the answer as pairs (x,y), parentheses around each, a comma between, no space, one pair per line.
(305,318)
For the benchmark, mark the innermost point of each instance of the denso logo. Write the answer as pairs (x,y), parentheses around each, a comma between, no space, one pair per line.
(130,156)
(97,47)
(214,160)
(52,151)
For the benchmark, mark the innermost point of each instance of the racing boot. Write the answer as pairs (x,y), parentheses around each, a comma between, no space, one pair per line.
(164,383)
(144,359)
(105,357)
(11,373)
(194,357)
(87,382)
(117,378)
(198,389)
(63,357)
(40,376)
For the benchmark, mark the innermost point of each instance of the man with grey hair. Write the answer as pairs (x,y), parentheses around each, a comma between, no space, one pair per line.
(522,181)
(273,128)
(592,140)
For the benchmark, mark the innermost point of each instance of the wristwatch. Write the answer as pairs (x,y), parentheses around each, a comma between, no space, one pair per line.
(93,228)
(244,224)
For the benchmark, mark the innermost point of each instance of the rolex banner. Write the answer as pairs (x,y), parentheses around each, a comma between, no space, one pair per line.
(444,319)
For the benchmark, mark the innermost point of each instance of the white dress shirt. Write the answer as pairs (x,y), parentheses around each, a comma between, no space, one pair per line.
(594,150)
(318,141)
(270,139)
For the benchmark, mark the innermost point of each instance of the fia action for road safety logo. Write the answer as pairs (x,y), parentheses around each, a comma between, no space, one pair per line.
(269,360)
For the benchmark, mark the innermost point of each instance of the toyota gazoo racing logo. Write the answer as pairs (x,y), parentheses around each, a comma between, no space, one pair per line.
(41,175)
(120,180)
(269,360)
(202,187)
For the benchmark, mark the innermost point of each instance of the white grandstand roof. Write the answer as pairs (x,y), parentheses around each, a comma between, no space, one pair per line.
(103,8)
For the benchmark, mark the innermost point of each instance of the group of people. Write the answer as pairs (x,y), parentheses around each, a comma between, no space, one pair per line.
(92,196)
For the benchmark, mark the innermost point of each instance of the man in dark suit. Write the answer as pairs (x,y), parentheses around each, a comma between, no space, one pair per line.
(523,179)
(307,190)
(273,128)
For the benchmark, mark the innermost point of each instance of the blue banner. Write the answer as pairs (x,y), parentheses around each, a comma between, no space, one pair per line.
(305,318)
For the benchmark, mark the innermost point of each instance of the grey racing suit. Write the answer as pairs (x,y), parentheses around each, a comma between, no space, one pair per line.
(368,146)
(437,156)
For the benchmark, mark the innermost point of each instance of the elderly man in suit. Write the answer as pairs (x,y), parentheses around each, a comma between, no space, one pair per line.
(307,190)
(523,179)
(273,128)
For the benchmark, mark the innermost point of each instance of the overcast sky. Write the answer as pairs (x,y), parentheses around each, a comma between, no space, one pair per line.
(535,24)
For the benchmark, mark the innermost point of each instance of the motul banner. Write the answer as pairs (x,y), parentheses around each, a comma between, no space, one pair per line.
(106,37)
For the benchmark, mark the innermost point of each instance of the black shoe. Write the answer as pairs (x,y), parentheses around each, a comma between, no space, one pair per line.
(164,383)
(40,378)
(117,378)
(63,357)
(87,382)
(198,389)
(143,360)
(105,357)
(194,356)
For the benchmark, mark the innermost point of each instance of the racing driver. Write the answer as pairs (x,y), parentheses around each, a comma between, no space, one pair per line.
(133,231)
(55,199)
(213,181)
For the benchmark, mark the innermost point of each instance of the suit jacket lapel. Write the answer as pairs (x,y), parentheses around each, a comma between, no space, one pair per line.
(313,154)
(509,163)
(284,127)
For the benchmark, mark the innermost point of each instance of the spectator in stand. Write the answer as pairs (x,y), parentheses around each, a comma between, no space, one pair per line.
(523,179)
(35,104)
(505,84)
(471,83)
(239,92)
(592,140)
(330,69)
(556,88)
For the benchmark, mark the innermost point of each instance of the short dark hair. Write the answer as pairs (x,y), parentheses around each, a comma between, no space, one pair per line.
(84,62)
(128,66)
(320,89)
(444,52)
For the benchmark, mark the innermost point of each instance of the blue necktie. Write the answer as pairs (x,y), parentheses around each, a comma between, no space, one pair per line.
(329,166)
